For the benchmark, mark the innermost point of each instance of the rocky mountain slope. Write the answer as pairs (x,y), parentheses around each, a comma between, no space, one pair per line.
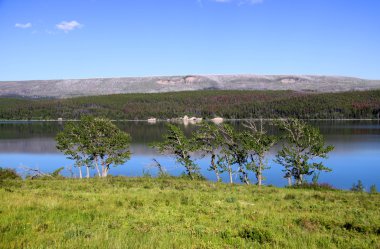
(103,86)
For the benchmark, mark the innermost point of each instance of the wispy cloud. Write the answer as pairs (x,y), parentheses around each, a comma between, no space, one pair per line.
(23,25)
(68,26)
(239,2)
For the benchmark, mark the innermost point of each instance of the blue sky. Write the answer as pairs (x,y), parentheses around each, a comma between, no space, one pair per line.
(54,39)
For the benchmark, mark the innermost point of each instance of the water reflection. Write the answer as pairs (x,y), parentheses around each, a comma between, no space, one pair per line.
(356,155)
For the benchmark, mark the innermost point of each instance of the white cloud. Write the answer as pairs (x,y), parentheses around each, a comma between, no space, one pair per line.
(68,26)
(23,25)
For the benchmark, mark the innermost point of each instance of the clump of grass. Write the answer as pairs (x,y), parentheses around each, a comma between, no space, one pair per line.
(290,197)
(259,235)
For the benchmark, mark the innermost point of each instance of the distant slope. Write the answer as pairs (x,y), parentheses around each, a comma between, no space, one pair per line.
(206,104)
(105,86)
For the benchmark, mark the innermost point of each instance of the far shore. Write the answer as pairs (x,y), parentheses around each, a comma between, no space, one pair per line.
(173,120)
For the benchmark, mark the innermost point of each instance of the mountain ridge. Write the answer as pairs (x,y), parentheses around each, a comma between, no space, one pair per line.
(67,88)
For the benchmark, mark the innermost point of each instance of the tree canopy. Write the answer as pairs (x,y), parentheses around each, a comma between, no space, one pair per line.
(303,145)
(94,141)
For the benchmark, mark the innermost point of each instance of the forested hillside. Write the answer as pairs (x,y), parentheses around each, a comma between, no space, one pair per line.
(206,104)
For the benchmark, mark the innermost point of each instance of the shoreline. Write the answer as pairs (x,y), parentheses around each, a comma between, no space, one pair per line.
(174,120)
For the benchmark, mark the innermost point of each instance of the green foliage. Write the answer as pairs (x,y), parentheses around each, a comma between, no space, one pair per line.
(177,144)
(92,141)
(260,235)
(232,153)
(315,186)
(208,140)
(373,189)
(207,104)
(57,172)
(359,187)
(257,143)
(302,144)
(178,213)
(8,174)
(315,178)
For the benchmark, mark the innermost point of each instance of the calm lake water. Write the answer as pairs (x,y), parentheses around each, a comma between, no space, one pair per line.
(356,155)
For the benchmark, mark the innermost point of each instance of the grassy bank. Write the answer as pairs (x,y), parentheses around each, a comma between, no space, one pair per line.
(177,213)
(206,104)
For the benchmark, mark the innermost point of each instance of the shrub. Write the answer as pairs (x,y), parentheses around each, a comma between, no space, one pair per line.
(195,176)
(255,234)
(373,189)
(6,173)
(358,187)
(231,199)
(289,197)
(315,186)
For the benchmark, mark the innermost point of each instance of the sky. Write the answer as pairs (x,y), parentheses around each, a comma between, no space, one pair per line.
(69,39)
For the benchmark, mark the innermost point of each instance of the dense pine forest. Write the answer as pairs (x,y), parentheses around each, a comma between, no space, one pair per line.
(206,104)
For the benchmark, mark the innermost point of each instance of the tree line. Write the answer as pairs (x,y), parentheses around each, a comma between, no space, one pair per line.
(206,104)
(96,143)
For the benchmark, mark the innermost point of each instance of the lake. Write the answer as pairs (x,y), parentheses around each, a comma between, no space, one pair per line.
(356,155)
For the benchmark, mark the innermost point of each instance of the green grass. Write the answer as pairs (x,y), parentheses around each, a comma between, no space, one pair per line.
(121,212)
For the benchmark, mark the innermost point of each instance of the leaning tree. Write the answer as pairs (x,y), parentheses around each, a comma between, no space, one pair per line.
(208,141)
(232,153)
(177,144)
(94,142)
(303,145)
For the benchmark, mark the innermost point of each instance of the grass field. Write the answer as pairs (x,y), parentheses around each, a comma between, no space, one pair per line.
(120,212)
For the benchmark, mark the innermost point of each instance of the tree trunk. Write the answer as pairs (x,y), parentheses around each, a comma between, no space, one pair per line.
(290,181)
(246,180)
(260,172)
(244,175)
(88,171)
(217,175)
(215,167)
(259,179)
(80,172)
(97,166)
(190,175)
(230,173)
(106,169)
(103,170)
(300,179)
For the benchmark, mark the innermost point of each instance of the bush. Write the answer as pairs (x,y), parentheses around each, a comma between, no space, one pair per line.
(315,186)
(255,234)
(373,189)
(358,187)
(196,176)
(9,174)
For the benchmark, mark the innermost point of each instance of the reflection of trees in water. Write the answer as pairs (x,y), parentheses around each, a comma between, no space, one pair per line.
(48,146)
(38,137)
(29,129)
(28,145)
